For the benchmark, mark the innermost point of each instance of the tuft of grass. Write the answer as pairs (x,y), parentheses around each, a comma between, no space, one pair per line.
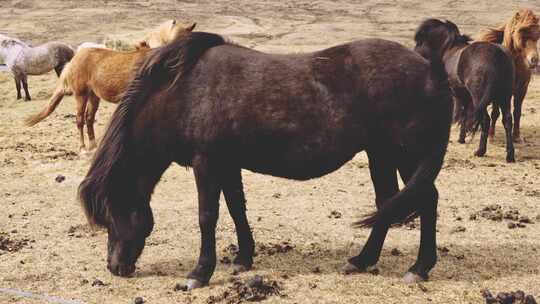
(119,44)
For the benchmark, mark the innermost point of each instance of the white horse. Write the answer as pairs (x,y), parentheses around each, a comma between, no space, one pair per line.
(24,60)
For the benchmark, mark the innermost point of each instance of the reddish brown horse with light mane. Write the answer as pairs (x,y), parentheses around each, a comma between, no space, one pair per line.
(94,74)
(520,37)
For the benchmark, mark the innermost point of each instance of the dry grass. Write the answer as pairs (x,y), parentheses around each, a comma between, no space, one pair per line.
(62,256)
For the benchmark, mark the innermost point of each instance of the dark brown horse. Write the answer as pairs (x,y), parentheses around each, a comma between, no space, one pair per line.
(480,73)
(220,108)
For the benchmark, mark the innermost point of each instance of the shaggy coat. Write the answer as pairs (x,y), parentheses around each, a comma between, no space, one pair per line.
(219,108)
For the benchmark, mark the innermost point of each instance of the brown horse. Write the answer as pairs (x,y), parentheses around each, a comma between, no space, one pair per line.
(94,74)
(196,102)
(520,37)
(480,74)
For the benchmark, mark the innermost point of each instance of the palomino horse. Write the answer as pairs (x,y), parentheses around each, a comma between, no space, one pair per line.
(196,102)
(166,32)
(480,73)
(94,74)
(520,37)
(24,60)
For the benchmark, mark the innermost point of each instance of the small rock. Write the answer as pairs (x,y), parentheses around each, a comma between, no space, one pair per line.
(98,282)
(84,282)
(255,281)
(335,214)
(395,252)
(312,285)
(525,219)
(512,225)
(317,270)
(225,260)
(422,287)
(138,300)
(458,229)
(276,195)
(60,178)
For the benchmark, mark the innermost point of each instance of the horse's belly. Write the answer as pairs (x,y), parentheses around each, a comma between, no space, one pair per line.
(299,162)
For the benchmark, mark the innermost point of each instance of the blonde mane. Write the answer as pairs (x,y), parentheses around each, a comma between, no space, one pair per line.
(523,25)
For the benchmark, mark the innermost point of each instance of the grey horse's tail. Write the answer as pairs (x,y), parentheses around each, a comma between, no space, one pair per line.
(61,90)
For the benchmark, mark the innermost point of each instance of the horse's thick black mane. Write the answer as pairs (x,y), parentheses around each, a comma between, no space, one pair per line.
(451,28)
(109,174)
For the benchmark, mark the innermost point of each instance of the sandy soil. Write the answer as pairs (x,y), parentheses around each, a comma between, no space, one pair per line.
(55,253)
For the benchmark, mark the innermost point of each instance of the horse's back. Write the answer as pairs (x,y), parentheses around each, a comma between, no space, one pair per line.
(298,115)
(484,62)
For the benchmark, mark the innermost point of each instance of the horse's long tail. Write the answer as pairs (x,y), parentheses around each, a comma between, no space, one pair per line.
(405,204)
(62,89)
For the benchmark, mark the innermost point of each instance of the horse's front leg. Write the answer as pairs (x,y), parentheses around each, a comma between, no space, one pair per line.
(428,195)
(236,203)
(24,80)
(208,187)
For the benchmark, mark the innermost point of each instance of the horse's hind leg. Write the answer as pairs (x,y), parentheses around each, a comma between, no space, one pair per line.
(24,80)
(81,109)
(58,69)
(236,203)
(90,117)
(494,116)
(427,253)
(208,187)
(383,174)
(18,87)
(482,148)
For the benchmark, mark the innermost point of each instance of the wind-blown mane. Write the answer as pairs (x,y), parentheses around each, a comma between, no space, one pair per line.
(108,176)
(512,33)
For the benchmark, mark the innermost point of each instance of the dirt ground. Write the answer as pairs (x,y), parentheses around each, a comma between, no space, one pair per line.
(47,248)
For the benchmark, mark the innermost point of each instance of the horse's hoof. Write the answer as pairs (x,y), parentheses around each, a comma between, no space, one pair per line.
(461,141)
(412,278)
(238,268)
(480,153)
(517,140)
(194,284)
(350,268)
(510,159)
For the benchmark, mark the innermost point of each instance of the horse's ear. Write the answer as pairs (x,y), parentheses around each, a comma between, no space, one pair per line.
(142,45)
(190,28)
(174,22)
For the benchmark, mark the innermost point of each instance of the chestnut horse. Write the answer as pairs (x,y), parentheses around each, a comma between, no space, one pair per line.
(165,32)
(94,74)
(520,37)
(480,73)
(196,102)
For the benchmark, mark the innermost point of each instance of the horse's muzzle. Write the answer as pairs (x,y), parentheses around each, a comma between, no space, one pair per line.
(122,270)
